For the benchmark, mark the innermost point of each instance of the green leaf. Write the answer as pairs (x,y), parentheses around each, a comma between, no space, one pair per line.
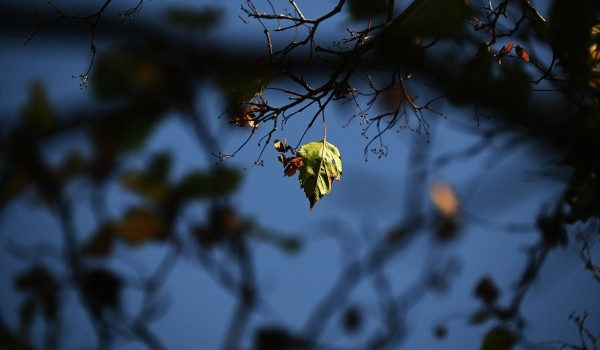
(192,19)
(152,182)
(499,338)
(140,225)
(241,83)
(361,9)
(202,184)
(38,114)
(322,164)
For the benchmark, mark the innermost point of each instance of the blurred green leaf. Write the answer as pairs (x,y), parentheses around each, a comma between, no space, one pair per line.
(153,181)
(193,19)
(287,243)
(438,18)
(365,9)
(499,338)
(37,114)
(242,83)
(140,225)
(201,184)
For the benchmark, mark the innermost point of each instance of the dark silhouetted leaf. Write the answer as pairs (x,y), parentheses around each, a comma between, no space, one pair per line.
(275,338)
(102,290)
(43,287)
(440,331)
(27,311)
(101,243)
(12,186)
(486,291)
(553,229)
(352,319)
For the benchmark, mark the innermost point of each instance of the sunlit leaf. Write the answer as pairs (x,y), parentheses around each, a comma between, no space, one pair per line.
(247,117)
(140,225)
(522,53)
(499,338)
(322,164)
(505,50)
(444,199)
(282,147)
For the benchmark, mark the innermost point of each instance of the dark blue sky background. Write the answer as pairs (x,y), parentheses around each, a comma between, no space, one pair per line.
(494,188)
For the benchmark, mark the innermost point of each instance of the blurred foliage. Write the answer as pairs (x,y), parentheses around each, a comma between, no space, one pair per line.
(193,19)
(499,338)
(153,75)
(366,9)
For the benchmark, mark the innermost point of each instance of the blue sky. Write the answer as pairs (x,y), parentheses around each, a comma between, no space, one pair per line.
(369,200)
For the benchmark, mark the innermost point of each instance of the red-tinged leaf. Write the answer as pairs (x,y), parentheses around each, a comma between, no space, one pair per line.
(292,166)
(505,50)
(522,53)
